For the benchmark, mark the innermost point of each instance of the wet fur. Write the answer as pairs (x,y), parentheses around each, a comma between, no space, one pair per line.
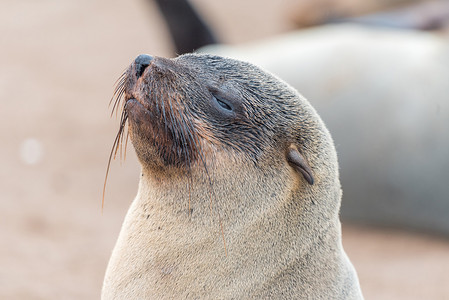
(283,234)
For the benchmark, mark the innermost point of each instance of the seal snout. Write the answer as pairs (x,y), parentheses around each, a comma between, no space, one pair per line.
(141,63)
(160,124)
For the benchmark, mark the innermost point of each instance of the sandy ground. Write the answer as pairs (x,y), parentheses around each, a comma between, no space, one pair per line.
(59,61)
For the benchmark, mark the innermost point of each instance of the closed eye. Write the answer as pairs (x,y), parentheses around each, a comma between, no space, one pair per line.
(222,103)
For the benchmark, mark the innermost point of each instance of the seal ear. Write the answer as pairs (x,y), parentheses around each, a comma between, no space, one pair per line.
(297,161)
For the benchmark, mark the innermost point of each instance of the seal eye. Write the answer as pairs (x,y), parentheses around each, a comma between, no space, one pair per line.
(223,104)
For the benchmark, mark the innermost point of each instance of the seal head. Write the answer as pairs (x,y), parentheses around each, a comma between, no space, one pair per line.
(179,108)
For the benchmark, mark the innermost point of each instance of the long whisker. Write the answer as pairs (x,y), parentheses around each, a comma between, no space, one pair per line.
(119,82)
(113,152)
(120,85)
(123,119)
(118,94)
(126,143)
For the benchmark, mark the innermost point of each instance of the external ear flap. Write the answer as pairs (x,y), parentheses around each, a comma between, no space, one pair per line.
(298,163)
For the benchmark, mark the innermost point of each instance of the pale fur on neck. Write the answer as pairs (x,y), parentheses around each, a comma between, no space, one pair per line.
(273,236)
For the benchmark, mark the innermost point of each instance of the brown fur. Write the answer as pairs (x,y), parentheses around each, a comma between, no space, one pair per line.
(228,177)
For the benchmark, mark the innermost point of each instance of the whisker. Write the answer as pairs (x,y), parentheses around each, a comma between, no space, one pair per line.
(122,137)
(120,86)
(118,94)
(126,143)
(111,154)
(123,119)
(118,83)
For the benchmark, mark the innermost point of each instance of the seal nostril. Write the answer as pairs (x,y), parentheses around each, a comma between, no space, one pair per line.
(142,62)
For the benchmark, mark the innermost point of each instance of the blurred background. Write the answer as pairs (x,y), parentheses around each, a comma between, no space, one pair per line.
(376,71)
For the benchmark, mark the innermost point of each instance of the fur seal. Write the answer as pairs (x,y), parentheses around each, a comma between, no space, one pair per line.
(239,193)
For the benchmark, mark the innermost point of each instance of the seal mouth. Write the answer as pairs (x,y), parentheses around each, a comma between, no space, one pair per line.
(151,111)
(159,121)
(132,102)
(132,105)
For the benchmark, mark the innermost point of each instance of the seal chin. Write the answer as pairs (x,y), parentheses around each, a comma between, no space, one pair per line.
(135,110)
(161,125)
(160,137)
(131,105)
(138,116)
